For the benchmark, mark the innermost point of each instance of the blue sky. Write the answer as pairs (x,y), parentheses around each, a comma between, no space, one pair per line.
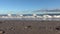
(25,6)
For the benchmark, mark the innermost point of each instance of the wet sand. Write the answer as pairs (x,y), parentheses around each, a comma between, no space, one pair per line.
(29,27)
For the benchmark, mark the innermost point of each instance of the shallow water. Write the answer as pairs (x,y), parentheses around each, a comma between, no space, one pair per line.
(49,19)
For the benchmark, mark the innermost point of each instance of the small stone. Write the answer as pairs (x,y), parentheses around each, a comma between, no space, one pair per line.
(27,27)
(1,32)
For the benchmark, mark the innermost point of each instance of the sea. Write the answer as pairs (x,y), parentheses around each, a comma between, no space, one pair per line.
(48,19)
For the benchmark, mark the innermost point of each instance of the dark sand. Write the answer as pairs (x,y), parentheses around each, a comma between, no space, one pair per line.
(29,27)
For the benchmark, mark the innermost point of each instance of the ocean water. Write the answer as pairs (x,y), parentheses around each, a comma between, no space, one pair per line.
(28,14)
(50,19)
(39,19)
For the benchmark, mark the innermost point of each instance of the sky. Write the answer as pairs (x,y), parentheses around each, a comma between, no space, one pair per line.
(26,6)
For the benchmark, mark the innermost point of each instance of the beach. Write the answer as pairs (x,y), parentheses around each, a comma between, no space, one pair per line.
(29,27)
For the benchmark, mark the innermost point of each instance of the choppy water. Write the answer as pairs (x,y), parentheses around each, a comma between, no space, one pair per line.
(48,19)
